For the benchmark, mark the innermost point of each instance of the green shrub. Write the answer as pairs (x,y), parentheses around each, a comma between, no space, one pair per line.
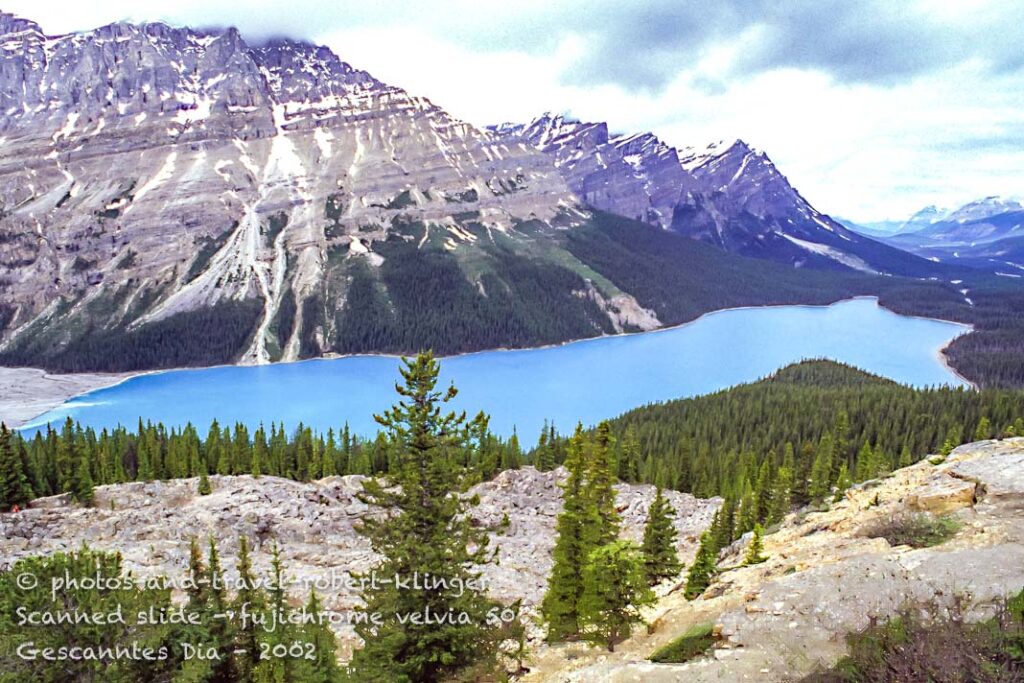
(918,530)
(695,642)
(907,649)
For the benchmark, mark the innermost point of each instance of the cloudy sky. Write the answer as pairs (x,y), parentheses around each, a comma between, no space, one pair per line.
(873,108)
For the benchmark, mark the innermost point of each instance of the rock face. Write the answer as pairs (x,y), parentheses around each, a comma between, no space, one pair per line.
(151,524)
(825,578)
(727,194)
(147,171)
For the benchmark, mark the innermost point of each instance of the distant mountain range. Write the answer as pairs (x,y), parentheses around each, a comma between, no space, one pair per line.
(170,196)
(987,233)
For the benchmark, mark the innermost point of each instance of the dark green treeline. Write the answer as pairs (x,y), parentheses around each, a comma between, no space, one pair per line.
(74,459)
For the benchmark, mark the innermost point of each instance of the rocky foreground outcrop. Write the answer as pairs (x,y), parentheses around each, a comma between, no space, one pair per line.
(151,525)
(826,577)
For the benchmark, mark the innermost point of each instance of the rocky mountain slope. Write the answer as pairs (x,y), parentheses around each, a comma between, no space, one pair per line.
(727,194)
(148,172)
(826,577)
(174,197)
(151,524)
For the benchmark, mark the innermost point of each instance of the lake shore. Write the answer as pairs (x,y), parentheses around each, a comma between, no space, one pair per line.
(27,393)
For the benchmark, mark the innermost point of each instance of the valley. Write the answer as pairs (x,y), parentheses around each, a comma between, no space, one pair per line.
(822,460)
(273,203)
(523,389)
(569,373)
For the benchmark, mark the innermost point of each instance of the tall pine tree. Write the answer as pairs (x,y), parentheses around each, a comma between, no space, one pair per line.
(14,481)
(661,561)
(424,531)
(560,606)
(614,590)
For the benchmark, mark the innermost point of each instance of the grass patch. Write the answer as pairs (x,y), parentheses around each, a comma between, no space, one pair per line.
(918,530)
(695,642)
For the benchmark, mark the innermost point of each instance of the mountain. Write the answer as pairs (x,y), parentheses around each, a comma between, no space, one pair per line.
(873,229)
(887,228)
(983,220)
(727,194)
(985,234)
(176,197)
(981,209)
(157,179)
(927,216)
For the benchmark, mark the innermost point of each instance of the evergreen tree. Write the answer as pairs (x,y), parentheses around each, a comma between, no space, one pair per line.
(614,591)
(603,519)
(954,437)
(144,470)
(205,488)
(727,531)
(196,587)
(843,482)
(14,482)
(543,457)
(748,514)
(867,466)
(278,669)
(821,471)
(248,597)
(782,493)
(225,459)
(425,531)
(221,630)
(560,606)
(764,487)
(67,456)
(629,458)
(81,482)
(983,430)
(755,551)
(323,668)
(699,576)
(882,463)
(326,468)
(661,561)
(905,458)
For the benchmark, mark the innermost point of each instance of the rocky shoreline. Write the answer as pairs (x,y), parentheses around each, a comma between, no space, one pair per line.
(26,393)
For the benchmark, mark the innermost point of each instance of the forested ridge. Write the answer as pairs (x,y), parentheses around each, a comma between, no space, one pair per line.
(709,445)
(532,287)
(680,280)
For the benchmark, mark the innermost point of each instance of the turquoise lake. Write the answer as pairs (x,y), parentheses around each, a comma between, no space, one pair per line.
(581,381)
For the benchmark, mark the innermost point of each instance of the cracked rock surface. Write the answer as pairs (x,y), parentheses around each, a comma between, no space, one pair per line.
(825,578)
